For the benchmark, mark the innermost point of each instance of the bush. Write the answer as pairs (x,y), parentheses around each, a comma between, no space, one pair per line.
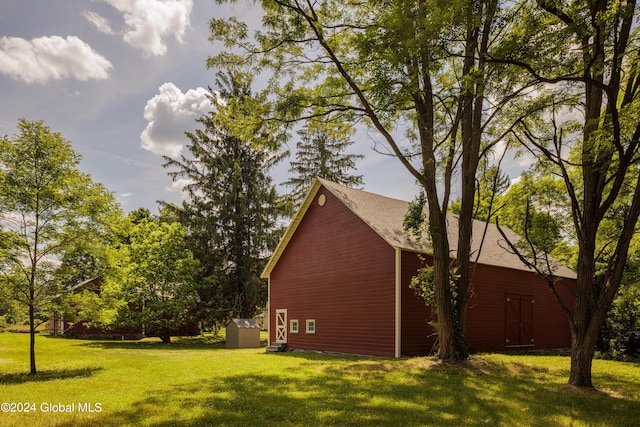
(620,335)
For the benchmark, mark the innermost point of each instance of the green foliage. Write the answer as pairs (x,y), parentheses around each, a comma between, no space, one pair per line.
(161,279)
(536,207)
(620,335)
(96,308)
(390,64)
(104,257)
(139,215)
(414,222)
(491,184)
(48,211)
(415,225)
(622,328)
(423,284)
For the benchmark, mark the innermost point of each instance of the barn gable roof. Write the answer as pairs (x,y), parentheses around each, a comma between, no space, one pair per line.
(385,215)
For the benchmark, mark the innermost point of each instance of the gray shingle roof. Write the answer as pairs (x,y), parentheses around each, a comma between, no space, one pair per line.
(245,323)
(385,216)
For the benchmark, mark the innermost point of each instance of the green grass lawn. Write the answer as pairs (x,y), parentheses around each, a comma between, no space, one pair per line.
(199,382)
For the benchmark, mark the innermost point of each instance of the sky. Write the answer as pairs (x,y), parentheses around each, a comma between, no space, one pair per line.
(123,80)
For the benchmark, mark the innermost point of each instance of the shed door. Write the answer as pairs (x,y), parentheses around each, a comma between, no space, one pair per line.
(281,325)
(519,320)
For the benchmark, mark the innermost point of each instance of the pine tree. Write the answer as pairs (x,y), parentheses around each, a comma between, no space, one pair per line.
(321,155)
(232,211)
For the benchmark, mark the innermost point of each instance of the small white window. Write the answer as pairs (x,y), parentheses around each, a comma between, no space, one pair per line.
(311,326)
(293,326)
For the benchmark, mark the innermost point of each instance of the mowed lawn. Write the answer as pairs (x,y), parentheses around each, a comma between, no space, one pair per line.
(199,382)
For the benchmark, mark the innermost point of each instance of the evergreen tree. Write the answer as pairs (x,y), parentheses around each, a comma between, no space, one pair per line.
(232,211)
(321,155)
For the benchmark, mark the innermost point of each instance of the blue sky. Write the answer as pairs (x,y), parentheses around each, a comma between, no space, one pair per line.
(123,80)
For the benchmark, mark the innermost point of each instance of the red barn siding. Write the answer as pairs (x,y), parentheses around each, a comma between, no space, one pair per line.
(340,273)
(486,315)
(417,336)
(81,330)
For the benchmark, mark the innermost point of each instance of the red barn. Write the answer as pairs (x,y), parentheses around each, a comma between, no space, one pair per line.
(339,282)
(60,326)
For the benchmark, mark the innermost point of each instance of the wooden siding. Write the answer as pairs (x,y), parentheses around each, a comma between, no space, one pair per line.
(486,315)
(338,272)
(486,324)
(417,335)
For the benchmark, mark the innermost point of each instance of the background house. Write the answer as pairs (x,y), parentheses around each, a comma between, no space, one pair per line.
(339,281)
(59,324)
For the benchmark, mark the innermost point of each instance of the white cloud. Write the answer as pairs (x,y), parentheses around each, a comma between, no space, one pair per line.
(170,113)
(100,22)
(124,198)
(178,185)
(41,59)
(149,22)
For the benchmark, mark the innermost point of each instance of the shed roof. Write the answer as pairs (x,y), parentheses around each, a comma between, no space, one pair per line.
(84,283)
(245,323)
(385,216)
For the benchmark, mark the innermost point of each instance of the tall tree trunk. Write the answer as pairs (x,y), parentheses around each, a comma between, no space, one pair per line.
(593,302)
(471,106)
(445,325)
(470,152)
(583,333)
(582,345)
(165,336)
(582,351)
(32,339)
(584,336)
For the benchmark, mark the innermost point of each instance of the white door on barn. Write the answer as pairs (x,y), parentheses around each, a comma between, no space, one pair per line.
(281,325)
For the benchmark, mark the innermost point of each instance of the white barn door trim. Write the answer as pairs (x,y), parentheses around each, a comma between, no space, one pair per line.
(281,325)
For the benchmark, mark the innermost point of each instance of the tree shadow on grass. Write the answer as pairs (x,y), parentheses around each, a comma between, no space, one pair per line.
(370,392)
(47,375)
(177,343)
(606,382)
